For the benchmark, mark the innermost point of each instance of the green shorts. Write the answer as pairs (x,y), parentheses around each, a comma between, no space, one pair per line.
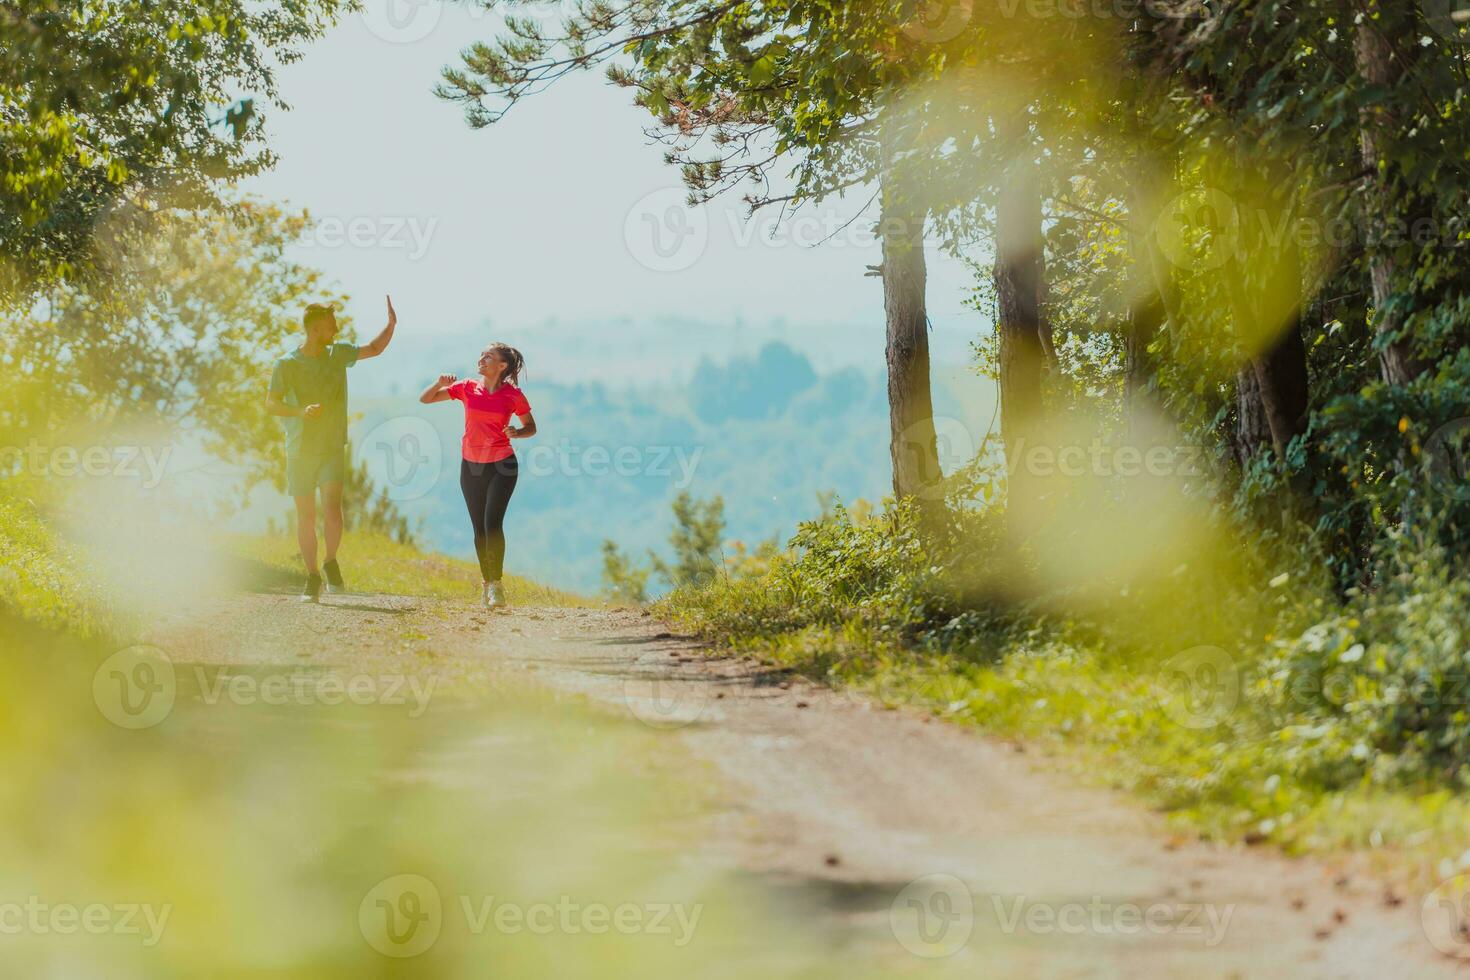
(308,471)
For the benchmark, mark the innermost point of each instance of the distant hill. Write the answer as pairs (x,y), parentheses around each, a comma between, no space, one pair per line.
(766,431)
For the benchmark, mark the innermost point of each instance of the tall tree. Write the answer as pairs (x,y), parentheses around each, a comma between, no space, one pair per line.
(1386,49)
(901,224)
(1020,271)
(110,110)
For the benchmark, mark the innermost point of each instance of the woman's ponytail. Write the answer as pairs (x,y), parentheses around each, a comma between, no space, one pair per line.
(515,363)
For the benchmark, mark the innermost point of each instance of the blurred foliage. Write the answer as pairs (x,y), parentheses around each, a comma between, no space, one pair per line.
(43,578)
(622,580)
(497,794)
(185,349)
(695,538)
(114,112)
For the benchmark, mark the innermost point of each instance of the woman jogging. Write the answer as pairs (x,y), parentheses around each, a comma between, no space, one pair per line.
(488,470)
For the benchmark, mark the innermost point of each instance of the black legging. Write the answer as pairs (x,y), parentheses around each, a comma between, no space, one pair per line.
(487,488)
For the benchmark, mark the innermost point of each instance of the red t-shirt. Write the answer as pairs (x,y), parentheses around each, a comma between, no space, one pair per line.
(486,414)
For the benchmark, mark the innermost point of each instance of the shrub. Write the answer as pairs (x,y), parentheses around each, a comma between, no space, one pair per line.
(1381,687)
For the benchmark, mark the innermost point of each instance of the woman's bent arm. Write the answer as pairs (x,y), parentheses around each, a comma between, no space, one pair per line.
(438,391)
(527,429)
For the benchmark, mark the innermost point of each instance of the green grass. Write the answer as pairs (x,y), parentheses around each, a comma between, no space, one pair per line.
(373,562)
(48,579)
(42,578)
(1128,725)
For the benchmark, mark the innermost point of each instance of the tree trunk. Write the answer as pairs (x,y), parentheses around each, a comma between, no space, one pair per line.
(1281,376)
(1020,271)
(1148,294)
(1252,432)
(1145,319)
(912,442)
(1280,368)
(1382,44)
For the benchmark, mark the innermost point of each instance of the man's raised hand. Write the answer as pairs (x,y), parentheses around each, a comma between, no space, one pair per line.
(384,337)
(445,380)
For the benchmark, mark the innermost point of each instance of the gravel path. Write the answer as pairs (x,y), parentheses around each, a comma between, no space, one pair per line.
(922,846)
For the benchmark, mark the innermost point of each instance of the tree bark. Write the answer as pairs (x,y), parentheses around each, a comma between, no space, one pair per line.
(1280,369)
(912,443)
(1252,431)
(1382,44)
(1149,291)
(1020,271)
(1281,377)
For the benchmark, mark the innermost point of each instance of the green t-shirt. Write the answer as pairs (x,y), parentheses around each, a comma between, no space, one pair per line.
(322,380)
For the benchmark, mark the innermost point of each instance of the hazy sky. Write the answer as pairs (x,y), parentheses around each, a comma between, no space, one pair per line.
(563,210)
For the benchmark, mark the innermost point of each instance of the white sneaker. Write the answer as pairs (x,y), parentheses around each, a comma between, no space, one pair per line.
(312,591)
(494,596)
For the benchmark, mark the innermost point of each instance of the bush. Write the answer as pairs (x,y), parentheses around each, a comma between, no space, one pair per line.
(1381,688)
(42,579)
(879,569)
(1240,691)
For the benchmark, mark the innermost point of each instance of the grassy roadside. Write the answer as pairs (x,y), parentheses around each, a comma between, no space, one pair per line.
(49,579)
(374,562)
(43,579)
(1197,737)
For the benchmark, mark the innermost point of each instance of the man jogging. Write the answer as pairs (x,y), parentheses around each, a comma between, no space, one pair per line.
(309,390)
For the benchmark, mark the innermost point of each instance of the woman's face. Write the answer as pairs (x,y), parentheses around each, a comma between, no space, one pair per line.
(492,365)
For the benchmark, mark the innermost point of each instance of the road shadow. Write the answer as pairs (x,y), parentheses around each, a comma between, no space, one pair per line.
(253,575)
(642,639)
(337,602)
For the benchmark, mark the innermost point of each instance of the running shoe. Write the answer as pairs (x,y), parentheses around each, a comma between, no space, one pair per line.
(312,591)
(333,575)
(494,596)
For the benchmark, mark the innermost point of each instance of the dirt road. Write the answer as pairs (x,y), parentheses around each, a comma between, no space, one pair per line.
(920,846)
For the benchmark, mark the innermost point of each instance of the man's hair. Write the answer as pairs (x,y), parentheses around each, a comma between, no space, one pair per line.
(316,312)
